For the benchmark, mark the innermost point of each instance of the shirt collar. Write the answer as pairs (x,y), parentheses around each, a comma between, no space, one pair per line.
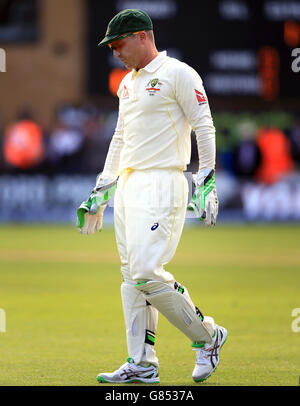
(156,62)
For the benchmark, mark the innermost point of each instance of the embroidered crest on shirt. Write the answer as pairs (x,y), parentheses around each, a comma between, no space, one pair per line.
(153,86)
(125,93)
(200,97)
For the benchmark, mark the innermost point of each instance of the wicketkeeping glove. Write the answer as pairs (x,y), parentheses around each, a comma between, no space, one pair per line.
(90,212)
(204,201)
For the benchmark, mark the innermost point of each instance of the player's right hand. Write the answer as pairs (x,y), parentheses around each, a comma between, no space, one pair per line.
(90,212)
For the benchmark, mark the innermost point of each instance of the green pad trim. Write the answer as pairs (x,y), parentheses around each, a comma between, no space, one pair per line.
(150,337)
(197,345)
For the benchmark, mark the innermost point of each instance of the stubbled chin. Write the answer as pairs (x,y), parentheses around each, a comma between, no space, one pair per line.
(127,66)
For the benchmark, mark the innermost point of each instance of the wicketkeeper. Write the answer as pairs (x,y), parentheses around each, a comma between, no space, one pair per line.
(160,101)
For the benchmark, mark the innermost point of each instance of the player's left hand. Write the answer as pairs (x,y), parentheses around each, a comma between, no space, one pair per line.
(204,201)
(89,223)
(90,212)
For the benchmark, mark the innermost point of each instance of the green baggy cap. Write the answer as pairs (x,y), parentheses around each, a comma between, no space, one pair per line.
(126,21)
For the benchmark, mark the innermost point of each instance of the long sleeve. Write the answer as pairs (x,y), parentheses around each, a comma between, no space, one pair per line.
(112,162)
(192,98)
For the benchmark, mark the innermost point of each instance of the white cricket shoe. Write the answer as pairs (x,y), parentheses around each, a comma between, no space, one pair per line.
(208,355)
(131,373)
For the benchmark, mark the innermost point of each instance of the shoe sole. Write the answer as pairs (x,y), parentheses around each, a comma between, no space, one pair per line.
(100,379)
(202,380)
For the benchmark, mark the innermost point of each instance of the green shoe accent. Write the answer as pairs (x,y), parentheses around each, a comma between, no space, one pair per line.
(102,380)
(141,283)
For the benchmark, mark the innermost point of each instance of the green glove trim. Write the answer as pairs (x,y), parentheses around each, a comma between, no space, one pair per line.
(82,209)
(99,197)
(199,197)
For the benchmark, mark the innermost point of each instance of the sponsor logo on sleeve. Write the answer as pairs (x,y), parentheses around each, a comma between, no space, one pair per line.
(200,97)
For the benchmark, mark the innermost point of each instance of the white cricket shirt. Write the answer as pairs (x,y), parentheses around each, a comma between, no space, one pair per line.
(158,107)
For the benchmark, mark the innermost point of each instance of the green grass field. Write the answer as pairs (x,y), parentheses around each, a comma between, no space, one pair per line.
(64,323)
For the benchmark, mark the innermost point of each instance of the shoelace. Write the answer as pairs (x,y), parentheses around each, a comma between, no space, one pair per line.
(127,371)
(128,368)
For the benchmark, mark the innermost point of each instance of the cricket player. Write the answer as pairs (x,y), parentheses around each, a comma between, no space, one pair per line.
(160,101)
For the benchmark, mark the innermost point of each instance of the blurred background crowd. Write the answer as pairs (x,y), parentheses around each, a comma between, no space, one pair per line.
(77,142)
(262,147)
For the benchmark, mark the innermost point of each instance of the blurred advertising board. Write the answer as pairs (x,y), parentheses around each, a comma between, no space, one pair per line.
(40,198)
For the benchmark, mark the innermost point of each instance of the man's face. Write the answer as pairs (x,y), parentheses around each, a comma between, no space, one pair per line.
(128,50)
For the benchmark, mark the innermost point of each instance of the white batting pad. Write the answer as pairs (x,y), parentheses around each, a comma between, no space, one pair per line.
(175,304)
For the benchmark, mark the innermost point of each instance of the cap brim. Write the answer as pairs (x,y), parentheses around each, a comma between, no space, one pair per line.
(109,39)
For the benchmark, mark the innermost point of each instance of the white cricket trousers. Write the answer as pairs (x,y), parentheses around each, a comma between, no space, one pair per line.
(149,214)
